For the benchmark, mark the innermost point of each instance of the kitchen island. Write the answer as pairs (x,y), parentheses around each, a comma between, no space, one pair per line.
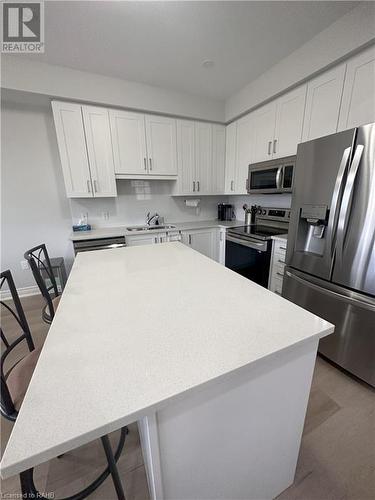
(215,369)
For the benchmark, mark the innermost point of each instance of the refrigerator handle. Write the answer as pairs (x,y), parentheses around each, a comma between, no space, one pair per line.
(335,200)
(347,202)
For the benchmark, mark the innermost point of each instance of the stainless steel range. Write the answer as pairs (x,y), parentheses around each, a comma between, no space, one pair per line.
(248,248)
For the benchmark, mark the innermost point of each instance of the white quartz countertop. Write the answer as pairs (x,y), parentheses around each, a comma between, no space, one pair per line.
(106,232)
(136,328)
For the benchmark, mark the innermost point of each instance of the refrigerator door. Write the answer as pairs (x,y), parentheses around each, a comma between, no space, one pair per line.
(355,246)
(321,169)
(352,345)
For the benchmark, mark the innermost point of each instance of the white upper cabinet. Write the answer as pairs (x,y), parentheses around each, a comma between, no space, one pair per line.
(323,103)
(289,120)
(84,140)
(72,147)
(161,138)
(203,157)
(129,142)
(218,159)
(245,151)
(358,100)
(264,130)
(99,148)
(230,157)
(186,156)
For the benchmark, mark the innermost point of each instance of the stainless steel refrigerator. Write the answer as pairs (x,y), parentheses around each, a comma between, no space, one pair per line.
(330,262)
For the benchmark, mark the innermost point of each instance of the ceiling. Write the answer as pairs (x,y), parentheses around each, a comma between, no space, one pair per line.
(165,43)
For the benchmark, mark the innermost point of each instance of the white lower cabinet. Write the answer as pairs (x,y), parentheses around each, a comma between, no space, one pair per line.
(145,239)
(277,266)
(204,241)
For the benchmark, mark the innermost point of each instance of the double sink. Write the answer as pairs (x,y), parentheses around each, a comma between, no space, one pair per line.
(149,228)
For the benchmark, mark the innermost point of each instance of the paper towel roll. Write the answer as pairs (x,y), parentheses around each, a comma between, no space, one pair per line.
(192,202)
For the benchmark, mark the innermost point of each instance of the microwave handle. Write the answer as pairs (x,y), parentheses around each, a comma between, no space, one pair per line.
(279,178)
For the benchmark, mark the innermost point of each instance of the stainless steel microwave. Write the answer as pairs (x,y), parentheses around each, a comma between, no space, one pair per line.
(274,176)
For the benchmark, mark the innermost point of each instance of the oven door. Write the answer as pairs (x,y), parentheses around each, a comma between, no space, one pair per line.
(265,180)
(250,258)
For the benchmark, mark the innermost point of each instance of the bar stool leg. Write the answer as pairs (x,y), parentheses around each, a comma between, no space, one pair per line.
(113,468)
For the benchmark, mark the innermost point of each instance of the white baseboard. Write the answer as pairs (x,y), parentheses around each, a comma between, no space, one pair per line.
(22,292)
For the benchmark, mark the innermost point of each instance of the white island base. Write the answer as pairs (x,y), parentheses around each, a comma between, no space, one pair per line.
(235,438)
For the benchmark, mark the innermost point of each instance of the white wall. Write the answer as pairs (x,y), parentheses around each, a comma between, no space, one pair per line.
(56,81)
(346,35)
(34,206)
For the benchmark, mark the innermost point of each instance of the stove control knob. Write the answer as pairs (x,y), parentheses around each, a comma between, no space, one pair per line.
(259,211)
(264,212)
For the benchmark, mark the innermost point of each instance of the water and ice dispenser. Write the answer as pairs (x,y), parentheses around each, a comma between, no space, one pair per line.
(312,224)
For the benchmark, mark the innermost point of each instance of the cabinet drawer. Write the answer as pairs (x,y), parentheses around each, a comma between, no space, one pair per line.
(279,246)
(276,284)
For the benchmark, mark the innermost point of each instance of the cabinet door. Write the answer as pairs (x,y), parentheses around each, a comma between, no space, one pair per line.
(99,149)
(186,156)
(161,137)
(129,142)
(358,100)
(264,132)
(230,157)
(72,147)
(203,241)
(203,149)
(289,121)
(245,151)
(323,103)
(141,239)
(218,159)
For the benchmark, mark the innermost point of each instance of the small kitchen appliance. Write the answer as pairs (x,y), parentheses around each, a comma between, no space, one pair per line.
(273,176)
(248,248)
(225,211)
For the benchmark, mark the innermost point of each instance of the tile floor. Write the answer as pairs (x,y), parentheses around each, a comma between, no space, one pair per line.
(336,461)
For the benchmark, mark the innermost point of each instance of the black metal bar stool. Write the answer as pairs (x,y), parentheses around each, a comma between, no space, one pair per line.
(14,384)
(40,265)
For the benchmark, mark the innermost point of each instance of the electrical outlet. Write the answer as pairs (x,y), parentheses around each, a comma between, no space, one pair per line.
(25,265)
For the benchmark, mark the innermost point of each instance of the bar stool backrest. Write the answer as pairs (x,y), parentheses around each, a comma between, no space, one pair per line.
(15,308)
(41,268)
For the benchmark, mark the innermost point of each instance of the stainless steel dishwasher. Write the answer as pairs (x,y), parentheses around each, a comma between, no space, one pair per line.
(99,244)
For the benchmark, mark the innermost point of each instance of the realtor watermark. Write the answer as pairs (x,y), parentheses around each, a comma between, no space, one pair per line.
(23,27)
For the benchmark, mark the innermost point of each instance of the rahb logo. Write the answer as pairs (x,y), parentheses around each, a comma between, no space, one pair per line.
(23,27)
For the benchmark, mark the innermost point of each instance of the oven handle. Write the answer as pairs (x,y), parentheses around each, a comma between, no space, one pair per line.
(256,245)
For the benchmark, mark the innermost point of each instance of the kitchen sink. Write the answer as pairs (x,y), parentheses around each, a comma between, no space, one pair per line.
(149,228)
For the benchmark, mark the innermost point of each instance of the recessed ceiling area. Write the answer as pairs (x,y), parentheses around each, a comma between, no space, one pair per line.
(167,43)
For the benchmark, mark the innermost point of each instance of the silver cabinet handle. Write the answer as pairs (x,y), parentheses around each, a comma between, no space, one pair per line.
(282,248)
(269,147)
(189,239)
(278,293)
(274,145)
(88,186)
(280,274)
(95,186)
(232,185)
(198,186)
(281,261)
(194,186)
(156,240)
(145,163)
(150,163)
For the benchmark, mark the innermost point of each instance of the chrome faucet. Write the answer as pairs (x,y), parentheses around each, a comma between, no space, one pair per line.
(152,220)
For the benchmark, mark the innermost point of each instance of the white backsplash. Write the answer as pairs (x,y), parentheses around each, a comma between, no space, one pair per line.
(265,200)
(136,198)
